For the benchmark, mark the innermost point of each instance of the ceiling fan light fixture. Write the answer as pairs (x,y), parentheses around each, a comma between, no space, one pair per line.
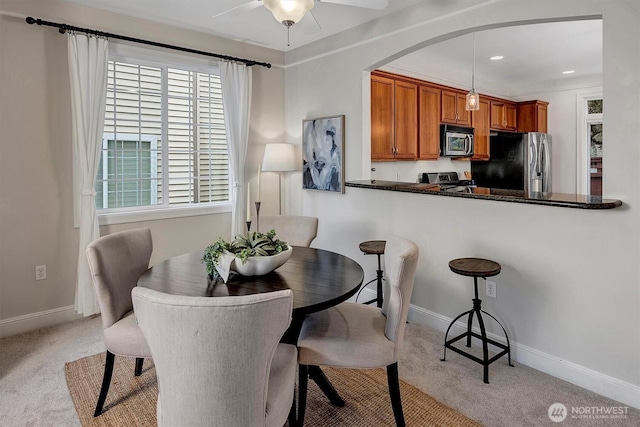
(288,12)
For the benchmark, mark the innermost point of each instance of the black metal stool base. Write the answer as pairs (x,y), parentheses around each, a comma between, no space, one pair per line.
(374,247)
(482,336)
(378,279)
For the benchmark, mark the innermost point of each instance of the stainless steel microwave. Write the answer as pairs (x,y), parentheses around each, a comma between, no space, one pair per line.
(456,141)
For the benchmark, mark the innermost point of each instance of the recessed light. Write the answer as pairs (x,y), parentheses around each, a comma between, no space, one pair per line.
(568,72)
(496,58)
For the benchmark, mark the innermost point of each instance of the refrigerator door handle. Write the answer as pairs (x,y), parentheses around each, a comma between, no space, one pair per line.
(547,164)
(542,155)
(538,168)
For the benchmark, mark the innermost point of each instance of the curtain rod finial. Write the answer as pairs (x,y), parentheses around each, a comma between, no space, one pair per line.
(30,20)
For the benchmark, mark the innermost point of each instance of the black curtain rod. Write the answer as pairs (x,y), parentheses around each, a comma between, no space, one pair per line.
(63,28)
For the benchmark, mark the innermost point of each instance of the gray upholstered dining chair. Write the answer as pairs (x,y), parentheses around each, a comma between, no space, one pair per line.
(293,229)
(116,261)
(218,360)
(360,336)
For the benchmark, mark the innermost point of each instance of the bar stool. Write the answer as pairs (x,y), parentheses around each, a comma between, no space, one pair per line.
(375,247)
(477,267)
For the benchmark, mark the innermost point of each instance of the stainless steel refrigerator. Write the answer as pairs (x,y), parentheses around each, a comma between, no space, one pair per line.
(518,161)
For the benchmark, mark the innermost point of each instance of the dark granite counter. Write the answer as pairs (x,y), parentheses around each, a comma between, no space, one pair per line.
(547,199)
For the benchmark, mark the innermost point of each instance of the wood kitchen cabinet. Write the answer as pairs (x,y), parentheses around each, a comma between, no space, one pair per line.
(406,139)
(532,116)
(394,119)
(481,122)
(382,118)
(428,122)
(504,115)
(406,114)
(453,108)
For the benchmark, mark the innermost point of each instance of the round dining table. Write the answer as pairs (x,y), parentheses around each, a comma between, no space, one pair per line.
(319,279)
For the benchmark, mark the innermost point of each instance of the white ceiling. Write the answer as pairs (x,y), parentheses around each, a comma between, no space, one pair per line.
(256,26)
(533,53)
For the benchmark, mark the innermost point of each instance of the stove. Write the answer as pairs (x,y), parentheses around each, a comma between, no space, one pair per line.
(448,181)
(439,177)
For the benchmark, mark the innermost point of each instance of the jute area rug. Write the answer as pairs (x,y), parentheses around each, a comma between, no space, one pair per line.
(132,400)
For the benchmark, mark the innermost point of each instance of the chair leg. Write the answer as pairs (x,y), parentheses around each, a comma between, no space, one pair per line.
(303,379)
(138,371)
(394,393)
(292,412)
(106,380)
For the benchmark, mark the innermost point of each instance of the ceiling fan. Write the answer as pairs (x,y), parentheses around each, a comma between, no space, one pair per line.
(290,12)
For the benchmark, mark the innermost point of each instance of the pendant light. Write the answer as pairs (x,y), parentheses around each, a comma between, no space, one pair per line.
(288,12)
(473,99)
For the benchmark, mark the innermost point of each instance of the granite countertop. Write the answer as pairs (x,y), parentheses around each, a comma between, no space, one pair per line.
(563,200)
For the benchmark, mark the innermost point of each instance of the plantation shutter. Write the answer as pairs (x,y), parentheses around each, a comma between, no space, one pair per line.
(158,120)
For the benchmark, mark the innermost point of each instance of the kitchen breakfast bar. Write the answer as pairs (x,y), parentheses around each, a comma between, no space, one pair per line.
(563,200)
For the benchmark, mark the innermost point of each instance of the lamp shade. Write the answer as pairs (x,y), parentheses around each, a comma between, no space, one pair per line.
(473,101)
(279,158)
(288,12)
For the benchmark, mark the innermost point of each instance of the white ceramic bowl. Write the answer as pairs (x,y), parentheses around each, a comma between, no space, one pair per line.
(261,265)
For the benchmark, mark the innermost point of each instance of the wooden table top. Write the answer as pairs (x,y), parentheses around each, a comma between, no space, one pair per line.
(475,267)
(319,279)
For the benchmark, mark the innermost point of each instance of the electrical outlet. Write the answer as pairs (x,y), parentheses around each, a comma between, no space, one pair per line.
(491,288)
(41,272)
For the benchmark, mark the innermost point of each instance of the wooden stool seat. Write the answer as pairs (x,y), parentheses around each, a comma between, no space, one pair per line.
(477,267)
(374,247)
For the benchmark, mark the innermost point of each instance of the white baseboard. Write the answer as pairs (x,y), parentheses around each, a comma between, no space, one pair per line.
(581,376)
(42,319)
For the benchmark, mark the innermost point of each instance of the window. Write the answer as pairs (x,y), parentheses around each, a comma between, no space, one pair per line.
(164,141)
(594,123)
(589,138)
(128,170)
(594,134)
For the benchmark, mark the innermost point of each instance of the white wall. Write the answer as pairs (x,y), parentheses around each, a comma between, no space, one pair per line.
(36,219)
(569,287)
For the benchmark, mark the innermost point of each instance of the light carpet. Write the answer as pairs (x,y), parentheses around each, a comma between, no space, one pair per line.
(132,400)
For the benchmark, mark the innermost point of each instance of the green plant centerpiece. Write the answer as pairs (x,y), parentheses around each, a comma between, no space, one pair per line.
(249,254)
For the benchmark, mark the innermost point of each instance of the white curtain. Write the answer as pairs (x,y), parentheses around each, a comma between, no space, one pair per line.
(236,99)
(88,56)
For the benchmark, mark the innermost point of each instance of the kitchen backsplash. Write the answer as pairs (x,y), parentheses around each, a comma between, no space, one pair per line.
(409,171)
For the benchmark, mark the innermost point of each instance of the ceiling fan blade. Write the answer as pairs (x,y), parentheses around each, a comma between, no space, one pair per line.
(367,4)
(246,7)
(309,24)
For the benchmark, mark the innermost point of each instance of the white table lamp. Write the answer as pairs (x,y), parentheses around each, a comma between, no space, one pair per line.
(279,158)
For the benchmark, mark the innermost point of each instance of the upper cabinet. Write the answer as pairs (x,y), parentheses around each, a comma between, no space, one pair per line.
(532,116)
(428,122)
(504,115)
(453,108)
(394,119)
(406,120)
(406,114)
(481,125)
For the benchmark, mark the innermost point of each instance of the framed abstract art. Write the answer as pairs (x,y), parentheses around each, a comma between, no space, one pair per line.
(323,154)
